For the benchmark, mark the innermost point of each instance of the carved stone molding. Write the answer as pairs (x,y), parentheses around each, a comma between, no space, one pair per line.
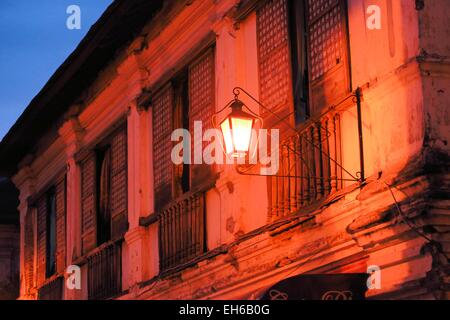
(72,133)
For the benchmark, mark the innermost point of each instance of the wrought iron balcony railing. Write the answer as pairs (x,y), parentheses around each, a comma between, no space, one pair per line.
(310,167)
(182,230)
(105,272)
(52,290)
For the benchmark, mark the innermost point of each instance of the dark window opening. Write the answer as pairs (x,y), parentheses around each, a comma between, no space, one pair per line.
(51,234)
(181,120)
(299,54)
(180,188)
(103,156)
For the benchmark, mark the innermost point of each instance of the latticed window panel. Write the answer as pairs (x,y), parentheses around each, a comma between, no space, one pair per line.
(61,225)
(118,194)
(119,172)
(201,108)
(162,126)
(326,37)
(272,26)
(201,91)
(119,152)
(273,46)
(88,193)
(88,205)
(119,190)
(317,8)
(41,238)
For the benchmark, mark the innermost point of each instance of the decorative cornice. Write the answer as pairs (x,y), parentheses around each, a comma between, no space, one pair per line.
(72,134)
(25,174)
(136,234)
(226,24)
(71,131)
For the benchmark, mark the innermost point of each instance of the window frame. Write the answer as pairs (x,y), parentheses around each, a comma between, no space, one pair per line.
(293,37)
(42,270)
(313,108)
(85,154)
(50,232)
(181,77)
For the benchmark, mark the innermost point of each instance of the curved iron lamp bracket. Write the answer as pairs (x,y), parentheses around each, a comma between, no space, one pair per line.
(356,97)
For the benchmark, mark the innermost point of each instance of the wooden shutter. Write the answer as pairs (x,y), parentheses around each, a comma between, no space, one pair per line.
(275,81)
(119,190)
(328,52)
(41,239)
(327,59)
(88,204)
(162,129)
(61,226)
(29,250)
(201,108)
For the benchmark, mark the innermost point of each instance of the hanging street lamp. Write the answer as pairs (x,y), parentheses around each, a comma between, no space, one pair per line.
(239,131)
(237,128)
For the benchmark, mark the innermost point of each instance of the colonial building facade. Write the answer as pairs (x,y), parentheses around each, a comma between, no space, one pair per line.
(362,88)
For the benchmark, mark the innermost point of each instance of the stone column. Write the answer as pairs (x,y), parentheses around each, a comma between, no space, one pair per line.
(236,66)
(136,255)
(72,134)
(24,181)
(140,194)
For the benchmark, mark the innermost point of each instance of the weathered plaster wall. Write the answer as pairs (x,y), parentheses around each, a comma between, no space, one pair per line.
(383,62)
(435,67)
(361,227)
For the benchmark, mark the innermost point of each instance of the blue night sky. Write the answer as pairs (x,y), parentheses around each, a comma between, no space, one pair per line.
(34,42)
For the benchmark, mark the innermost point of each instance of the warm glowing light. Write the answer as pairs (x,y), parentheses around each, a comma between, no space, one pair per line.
(237,131)
(242,131)
(227,137)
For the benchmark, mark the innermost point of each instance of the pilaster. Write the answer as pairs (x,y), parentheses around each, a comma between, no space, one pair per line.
(72,133)
(24,181)
(140,194)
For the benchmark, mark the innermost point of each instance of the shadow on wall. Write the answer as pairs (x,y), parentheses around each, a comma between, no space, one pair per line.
(9,241)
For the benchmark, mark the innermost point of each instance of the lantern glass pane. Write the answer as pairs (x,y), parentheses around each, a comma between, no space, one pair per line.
(242,131)
(226,131)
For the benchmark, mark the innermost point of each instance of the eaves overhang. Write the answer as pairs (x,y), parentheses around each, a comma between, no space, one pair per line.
(117,27)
